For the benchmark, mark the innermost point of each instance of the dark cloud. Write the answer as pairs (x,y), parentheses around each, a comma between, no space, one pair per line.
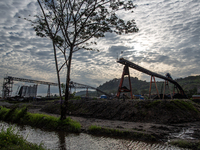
(115,51)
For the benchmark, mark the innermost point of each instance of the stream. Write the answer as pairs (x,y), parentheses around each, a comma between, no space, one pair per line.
(64,141)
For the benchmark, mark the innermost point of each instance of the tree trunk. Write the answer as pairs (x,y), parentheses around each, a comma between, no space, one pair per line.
(58,76)
(67,94)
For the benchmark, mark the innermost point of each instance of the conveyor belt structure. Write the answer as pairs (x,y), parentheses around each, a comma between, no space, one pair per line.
(7,87)
(148,72)
(79,85)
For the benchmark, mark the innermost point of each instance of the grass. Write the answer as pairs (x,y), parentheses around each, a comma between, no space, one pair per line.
(153,103)
(93,129)
(10,140)
(186,144)
(173,104)
(3,112)
(185,105)
(21,116)
(108,131)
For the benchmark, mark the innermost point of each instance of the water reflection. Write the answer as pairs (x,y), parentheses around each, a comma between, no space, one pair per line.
(62,143)
(82,141)
(185,133)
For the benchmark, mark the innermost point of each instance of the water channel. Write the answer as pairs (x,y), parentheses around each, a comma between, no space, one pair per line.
(83,141)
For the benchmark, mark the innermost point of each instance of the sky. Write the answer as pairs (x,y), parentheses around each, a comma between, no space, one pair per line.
(168,41)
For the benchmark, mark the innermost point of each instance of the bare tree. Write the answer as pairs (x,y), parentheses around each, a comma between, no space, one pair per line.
(71,24)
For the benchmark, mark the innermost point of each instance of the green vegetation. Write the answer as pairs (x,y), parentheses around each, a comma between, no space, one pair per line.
(93,129)
(185,105)
(108,131)
(10,140)
(153,103)
(21,116)
(186,144)
(75,98)
(170,107)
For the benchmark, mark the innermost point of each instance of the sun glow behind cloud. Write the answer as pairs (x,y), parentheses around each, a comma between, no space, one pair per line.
(168,41)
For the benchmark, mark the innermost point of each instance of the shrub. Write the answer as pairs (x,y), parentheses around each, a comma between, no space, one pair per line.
(94,128)
(186,144)
(11,140)
(3,112)
(38,120)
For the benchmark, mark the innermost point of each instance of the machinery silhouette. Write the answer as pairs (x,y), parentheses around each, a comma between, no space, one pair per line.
(127,64)
(32,91)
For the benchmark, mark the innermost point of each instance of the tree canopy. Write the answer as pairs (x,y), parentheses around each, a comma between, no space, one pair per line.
(75,22)
(71,24)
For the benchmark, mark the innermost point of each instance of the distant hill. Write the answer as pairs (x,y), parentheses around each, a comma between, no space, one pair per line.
(138,86)
(189,84)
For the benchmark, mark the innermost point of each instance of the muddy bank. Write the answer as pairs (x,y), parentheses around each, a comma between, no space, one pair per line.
(117,115)
(168,119)
(162,132)
(156,111)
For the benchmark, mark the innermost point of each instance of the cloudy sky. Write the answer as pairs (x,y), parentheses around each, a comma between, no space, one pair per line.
(168,41)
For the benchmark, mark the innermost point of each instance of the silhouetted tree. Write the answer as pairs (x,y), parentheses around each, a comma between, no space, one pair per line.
(70,24)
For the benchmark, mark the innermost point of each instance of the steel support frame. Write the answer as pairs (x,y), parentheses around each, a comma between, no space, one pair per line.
(48,91)
(120,89)
(178,91)
(87,95)
(148,72)
(7,87)
(155,86)
(167,84)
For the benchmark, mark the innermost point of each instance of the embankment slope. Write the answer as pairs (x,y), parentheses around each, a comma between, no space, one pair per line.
(152,111)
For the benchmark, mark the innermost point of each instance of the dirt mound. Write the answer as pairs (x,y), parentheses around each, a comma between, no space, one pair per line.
(156,111)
